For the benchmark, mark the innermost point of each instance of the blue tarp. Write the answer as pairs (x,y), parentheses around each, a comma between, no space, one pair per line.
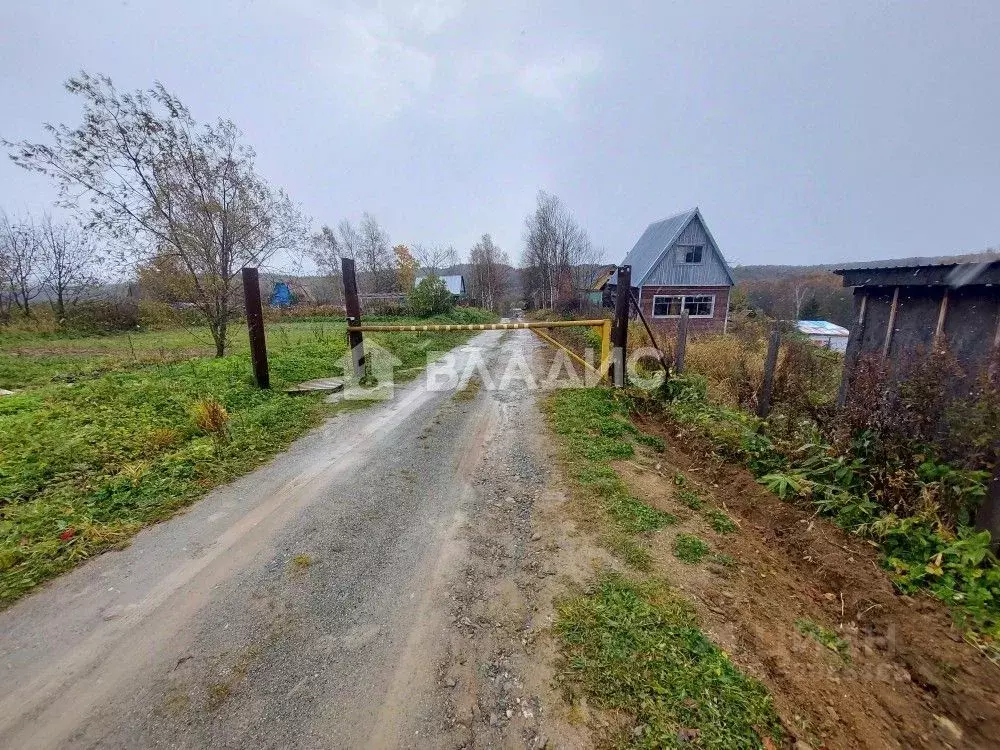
(281,295)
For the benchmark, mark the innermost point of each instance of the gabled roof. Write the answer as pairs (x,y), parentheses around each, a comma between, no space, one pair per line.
(657,239)
(603,278)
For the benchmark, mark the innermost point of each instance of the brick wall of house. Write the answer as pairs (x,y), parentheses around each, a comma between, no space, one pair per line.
(696,325)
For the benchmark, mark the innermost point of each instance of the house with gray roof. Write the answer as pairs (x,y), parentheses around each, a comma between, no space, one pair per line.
(677,266)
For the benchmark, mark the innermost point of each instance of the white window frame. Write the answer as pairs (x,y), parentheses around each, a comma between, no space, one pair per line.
(684,298)
(682,251)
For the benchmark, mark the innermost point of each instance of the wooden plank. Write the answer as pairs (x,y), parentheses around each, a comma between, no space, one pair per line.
(942,316)
(320,385)
(892,322)
(664,363)
(255,327)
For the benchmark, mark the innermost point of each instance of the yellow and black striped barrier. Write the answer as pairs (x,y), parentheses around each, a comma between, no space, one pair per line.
(602,325)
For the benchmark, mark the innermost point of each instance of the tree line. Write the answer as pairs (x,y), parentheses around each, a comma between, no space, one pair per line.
(43,256)
(180,205)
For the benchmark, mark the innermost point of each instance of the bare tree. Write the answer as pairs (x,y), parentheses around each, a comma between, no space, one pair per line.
(160,185)
(368,244)
(326,251)
(69,262)
(350,240)
(490,274)
(375,254)
(434,259)
(555,246)
(20,251)
(799,294)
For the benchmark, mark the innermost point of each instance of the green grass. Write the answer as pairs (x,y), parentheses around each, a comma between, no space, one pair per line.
(594,424)
(720,522)
(636,647)
(690,499)
(89,456)
(689,548)
(824,636)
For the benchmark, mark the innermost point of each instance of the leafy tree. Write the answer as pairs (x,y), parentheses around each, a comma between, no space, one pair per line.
(430,297)
(406,267)
(159,184)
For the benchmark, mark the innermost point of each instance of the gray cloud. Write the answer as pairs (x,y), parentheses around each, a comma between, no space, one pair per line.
(806,132)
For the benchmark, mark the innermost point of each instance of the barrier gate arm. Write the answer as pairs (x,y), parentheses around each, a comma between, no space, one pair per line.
(603,325)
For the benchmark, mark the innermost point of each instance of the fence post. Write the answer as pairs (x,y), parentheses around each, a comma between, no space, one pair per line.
(682,342)
(767,387)
(352,305)
(619,334)
(255,327)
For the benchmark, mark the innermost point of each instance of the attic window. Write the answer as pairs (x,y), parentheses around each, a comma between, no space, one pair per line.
(690,253)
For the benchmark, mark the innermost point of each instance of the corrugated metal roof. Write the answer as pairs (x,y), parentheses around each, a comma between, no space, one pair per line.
(821,328)
(875,265)
(455,284)
(657,237)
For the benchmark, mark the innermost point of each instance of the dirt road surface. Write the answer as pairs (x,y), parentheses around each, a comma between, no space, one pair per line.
(374,586)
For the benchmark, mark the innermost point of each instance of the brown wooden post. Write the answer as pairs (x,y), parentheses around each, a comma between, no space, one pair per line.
(352,304)
(853,349)
(988,515)
(255,326)
(682,342)
(619,331)
(770,363)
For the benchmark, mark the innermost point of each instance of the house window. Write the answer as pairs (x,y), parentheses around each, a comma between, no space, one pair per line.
(690,253)
(667,306)
(700,306)
(671,305)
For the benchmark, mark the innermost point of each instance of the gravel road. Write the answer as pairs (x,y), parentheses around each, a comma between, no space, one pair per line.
(328,599)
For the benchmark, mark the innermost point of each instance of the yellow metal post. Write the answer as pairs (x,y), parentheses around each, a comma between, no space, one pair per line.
(605,347)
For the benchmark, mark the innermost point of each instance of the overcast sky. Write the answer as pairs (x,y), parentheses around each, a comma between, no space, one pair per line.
(807,132)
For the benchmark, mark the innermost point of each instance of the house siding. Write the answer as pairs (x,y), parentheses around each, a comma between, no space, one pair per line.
(715,324)
(710,272)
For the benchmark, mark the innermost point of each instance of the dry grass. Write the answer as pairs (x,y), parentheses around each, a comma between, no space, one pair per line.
(211,417)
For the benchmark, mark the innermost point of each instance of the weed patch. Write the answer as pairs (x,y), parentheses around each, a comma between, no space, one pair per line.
(720,522)
(824,637)
(594,423)
(636,647)
(920,550)
(690,549)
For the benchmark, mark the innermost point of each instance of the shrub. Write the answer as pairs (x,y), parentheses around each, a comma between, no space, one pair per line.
(104,316)
(211,417)
(431,297)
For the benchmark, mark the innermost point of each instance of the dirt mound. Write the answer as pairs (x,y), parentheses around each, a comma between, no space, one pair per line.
(809,610)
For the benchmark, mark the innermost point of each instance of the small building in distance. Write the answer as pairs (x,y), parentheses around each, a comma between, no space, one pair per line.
(455,284)
(600,293)
(824,333)
(901,309)
(677,266)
